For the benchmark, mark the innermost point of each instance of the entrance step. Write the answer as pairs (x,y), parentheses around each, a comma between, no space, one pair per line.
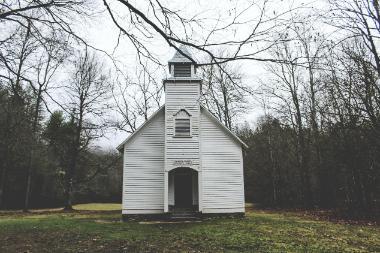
(184,218)
(183,214)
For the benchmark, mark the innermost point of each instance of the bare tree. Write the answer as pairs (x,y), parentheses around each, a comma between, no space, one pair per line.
(353,103)
(287,87)
(358,19)
(47,61)
(12,10)
(88,92)
(313,46)
(41,29)
(42,19)
(42,15)
(12,75)
(224,92)
(146,20)
(136,99)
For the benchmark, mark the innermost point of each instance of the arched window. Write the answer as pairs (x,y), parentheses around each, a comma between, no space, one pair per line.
(182,123)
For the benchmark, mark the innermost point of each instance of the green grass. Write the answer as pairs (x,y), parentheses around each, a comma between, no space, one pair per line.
(98,206)
(102,231)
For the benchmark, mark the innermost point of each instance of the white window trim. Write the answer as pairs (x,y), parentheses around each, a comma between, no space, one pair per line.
(190,123)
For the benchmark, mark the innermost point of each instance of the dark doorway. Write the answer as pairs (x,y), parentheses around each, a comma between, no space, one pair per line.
(183,188)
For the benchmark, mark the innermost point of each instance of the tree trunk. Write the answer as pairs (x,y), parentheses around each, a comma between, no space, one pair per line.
(74,159)
(5,153)
(28,181)
(274,169)
(2,185)
(32,150)
(69,194)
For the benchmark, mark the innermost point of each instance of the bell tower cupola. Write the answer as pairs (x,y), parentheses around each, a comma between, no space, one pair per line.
(182,65)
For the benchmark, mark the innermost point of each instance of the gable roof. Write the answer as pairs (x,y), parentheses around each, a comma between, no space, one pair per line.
(121,146)
(180,58)
(223,127)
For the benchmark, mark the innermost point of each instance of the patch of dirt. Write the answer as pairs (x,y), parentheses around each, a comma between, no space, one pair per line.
(40,242)
(332,215)
(48,242)
(19,213)
(169,222)
(339,216)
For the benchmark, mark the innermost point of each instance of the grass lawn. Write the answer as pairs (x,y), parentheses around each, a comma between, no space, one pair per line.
(102,231)
(98,207)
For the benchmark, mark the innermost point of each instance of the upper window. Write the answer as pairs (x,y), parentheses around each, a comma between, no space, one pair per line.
(182,70)
(182,127)
(182,123)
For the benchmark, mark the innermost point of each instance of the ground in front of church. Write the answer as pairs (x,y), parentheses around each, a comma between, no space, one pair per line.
(98,228)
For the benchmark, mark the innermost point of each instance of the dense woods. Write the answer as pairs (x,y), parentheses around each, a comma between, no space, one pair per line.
(316,142)
(97,176)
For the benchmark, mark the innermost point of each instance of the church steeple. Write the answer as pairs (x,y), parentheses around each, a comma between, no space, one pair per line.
(182,119)
(182,64)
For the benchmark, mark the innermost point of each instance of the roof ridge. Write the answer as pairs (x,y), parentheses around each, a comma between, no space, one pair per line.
(179,57)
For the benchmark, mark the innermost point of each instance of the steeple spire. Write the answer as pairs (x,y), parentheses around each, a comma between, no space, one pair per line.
(180,65)
(180,58)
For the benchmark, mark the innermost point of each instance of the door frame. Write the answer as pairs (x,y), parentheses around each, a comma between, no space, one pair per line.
(169,174)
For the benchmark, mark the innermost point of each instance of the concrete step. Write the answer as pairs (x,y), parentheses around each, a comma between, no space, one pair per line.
(183,213)
(188,215)
(184,218)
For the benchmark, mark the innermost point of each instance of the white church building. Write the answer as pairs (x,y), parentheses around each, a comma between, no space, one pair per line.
(182,157)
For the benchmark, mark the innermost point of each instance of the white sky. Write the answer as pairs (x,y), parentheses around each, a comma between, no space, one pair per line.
(103,34)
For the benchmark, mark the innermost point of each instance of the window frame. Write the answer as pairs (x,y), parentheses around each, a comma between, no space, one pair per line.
(179,117)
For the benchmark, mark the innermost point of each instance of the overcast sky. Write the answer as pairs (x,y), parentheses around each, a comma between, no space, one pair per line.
(103,34)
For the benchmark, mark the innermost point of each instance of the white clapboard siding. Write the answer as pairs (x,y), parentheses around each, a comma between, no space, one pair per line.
(182,95)
(210,149)
(222,169)
(143,179)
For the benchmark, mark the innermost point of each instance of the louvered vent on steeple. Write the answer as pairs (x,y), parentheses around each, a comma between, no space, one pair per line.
(183,70)
(180,65)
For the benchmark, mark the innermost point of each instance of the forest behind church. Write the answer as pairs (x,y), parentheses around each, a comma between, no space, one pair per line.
(314,144)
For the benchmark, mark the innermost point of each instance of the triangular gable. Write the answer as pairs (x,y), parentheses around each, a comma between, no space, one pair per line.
(223,127)
(121,146)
